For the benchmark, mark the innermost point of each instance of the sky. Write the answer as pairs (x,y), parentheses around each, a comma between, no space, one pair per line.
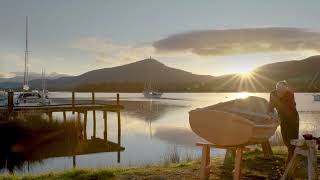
(204,37)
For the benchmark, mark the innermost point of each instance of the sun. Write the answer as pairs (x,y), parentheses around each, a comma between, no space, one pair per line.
(246,74)
(244,71)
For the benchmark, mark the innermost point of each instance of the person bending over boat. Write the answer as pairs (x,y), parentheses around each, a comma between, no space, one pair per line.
(282,99)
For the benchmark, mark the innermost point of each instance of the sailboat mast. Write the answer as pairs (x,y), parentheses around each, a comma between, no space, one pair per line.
(42,76)
(25,77)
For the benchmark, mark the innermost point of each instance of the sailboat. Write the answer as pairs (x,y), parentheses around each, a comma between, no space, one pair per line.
(30,97)
(149,92)
(3,98)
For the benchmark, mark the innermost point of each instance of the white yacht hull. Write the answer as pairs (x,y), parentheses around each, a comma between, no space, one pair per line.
(152,94)
(31,99)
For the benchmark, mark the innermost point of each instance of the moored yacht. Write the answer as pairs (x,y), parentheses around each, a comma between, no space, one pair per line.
(152,94)
(149,92)
(3,98)
(30,97)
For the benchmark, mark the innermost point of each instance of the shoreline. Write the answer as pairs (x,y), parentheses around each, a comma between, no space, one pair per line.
(255,166)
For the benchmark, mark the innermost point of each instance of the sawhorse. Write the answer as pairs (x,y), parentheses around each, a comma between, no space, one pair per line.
(305,148)
(205,159)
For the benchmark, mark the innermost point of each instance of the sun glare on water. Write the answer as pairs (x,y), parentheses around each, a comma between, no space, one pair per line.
(242,95)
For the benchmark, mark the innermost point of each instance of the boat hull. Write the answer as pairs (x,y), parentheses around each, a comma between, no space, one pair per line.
(152,95)
(227,129)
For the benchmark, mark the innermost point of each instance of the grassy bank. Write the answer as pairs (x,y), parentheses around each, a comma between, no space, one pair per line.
(255,166)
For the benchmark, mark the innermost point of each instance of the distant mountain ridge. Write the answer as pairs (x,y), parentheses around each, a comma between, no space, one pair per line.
(301,75)
(147,70)
(18,76)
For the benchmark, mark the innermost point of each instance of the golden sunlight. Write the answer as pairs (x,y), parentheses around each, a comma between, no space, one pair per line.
(246,74)
(242,95)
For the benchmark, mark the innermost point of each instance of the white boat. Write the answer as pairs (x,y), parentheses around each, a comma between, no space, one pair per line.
(316,97)
(33,98)
(27,97)
(149,92)
(152,94)
(3,98)
(234,123)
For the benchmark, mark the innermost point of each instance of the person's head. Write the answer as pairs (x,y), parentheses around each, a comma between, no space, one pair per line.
(282,87)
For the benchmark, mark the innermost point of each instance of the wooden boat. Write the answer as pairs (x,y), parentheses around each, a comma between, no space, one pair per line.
(234,123)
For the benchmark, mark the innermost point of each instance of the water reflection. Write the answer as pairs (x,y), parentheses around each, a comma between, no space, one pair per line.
(150,131)
(29,139)
(308,125)
(149,111)
(177,136)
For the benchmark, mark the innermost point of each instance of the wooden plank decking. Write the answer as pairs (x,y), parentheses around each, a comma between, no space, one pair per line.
(66,107)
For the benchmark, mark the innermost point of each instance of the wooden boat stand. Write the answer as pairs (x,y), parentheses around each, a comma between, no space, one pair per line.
(205,159)
(304,148)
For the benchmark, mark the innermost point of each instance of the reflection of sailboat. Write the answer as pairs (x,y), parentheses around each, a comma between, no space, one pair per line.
(27,98)
(149,92)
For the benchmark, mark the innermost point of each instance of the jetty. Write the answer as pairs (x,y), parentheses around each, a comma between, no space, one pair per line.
(80,110)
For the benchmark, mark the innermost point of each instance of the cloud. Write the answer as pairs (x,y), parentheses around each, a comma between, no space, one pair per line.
(108,52)
(240,41)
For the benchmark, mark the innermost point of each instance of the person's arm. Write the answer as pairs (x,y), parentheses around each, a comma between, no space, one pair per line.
(291,102)
(271,104)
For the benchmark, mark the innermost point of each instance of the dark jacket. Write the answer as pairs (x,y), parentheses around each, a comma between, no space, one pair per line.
(285,105)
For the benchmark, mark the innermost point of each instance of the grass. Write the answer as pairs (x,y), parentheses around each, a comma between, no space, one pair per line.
(73,174)
(255,166)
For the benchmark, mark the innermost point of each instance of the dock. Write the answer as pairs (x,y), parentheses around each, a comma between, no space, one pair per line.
(81,110)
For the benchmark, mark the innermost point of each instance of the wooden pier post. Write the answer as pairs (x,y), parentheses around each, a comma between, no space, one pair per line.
(73,96)
(118,157)
(94,116)
(85,125)
(64,117)
(10,101)
(74,161)
(105,133)
(50,116)
(119,121)
(79,118)
(118,99)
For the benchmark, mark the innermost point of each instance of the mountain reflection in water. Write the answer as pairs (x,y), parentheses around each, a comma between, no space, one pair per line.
(30,138)
(149,110)
(177,136)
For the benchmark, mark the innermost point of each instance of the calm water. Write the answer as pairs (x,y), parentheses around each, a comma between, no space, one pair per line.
(153,129)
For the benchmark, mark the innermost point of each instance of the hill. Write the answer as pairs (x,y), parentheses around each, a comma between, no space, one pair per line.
(18,77)
(129,77)
(302,75)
